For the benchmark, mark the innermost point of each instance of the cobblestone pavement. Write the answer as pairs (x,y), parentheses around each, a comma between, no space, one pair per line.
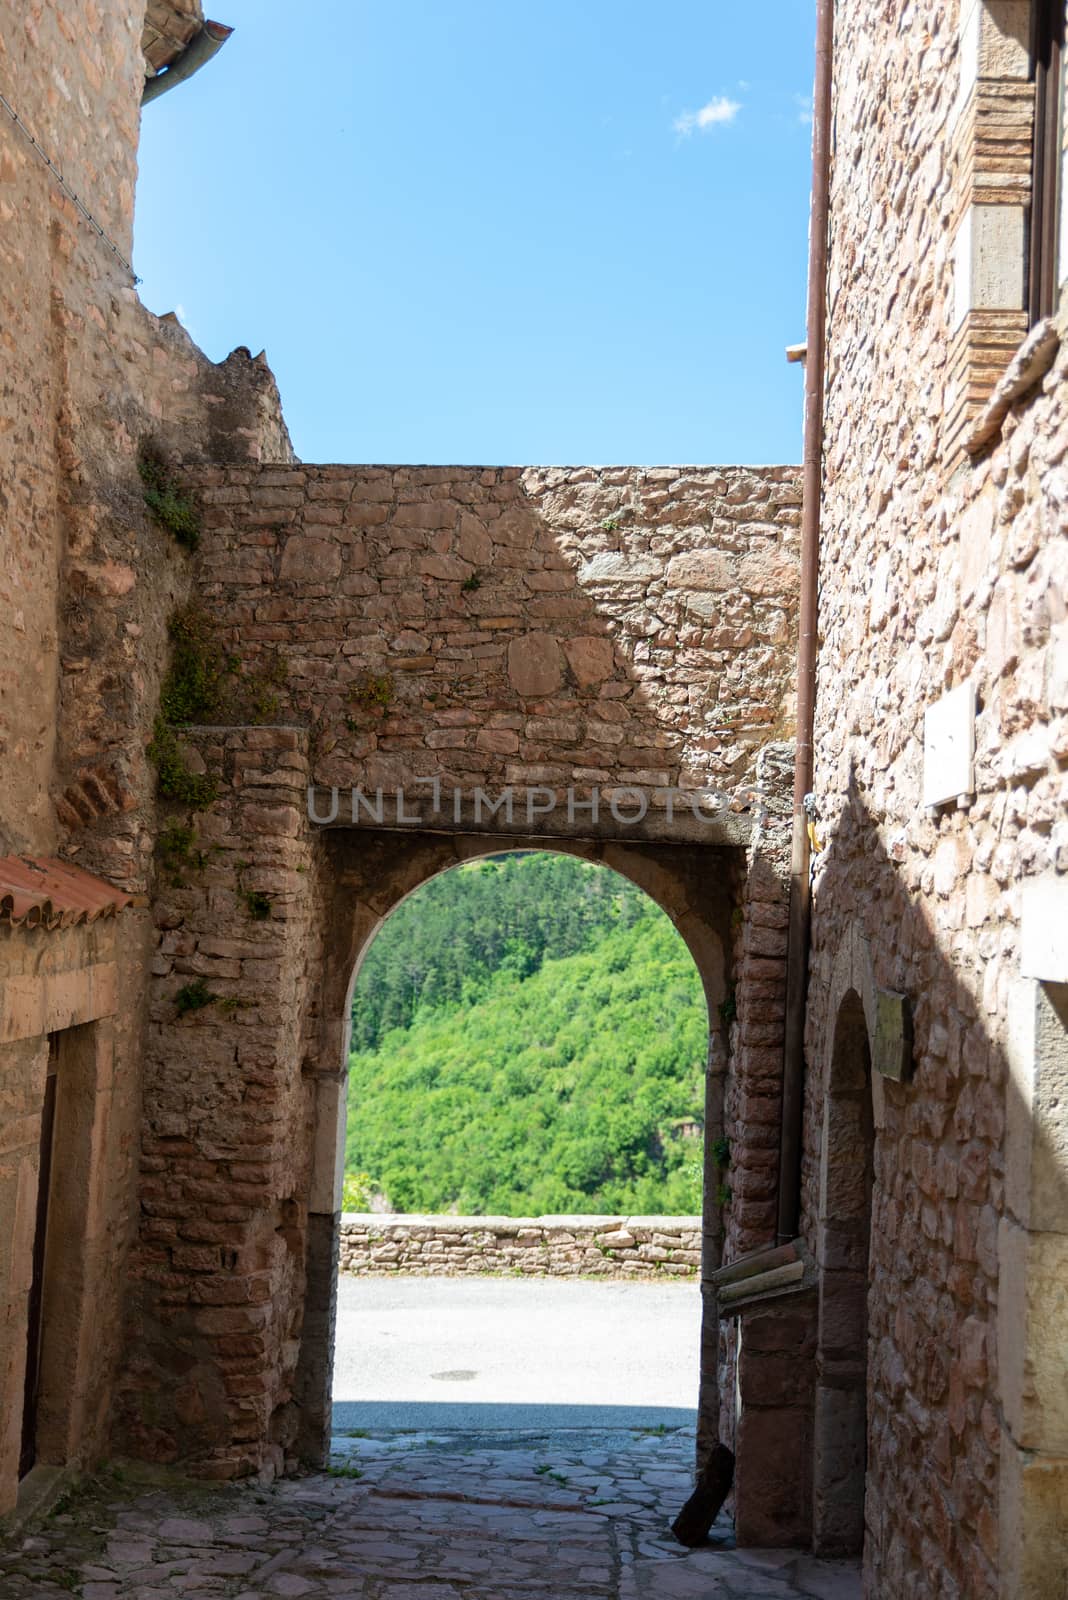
(566,1516)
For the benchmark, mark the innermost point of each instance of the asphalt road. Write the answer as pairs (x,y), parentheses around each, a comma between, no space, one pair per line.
(506,1353)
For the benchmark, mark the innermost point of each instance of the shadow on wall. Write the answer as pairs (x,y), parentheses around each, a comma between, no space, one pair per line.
(507,627)
(967,1420)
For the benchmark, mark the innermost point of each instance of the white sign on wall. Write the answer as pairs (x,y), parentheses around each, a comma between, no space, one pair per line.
(1044,929)
(949,746)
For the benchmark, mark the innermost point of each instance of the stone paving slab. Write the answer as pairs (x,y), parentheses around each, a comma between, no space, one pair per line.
(565,1516)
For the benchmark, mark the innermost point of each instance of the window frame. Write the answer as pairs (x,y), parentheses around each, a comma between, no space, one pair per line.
(1047,71)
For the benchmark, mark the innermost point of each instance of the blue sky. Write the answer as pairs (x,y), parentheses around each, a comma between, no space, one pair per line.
(559,231)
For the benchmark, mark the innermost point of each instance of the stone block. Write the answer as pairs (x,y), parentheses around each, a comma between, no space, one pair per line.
(535,664)
(772,1497)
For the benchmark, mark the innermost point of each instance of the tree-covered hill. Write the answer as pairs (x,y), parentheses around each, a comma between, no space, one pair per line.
(530,1036)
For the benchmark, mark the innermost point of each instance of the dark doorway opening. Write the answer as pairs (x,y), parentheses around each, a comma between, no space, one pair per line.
(35,1318)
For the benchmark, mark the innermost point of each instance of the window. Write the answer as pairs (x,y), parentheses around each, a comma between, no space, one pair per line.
(1047,54)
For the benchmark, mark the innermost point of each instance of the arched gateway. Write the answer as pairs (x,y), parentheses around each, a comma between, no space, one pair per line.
(468,659)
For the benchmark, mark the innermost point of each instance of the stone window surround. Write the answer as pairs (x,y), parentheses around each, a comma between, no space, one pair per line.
(991,127)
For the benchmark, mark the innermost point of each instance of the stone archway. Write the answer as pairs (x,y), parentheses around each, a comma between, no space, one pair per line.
(233,1273)
(842,1249)
(369,873)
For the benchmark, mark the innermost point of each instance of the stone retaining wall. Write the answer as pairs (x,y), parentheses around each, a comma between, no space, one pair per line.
(539,1247)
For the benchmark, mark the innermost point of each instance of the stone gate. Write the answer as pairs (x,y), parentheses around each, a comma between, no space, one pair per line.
(460,660)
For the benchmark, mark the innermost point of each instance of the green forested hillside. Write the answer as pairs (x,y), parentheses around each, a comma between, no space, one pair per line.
(530,1036)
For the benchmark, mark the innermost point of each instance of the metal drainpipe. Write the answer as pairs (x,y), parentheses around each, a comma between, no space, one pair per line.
(800,909)
(197,53)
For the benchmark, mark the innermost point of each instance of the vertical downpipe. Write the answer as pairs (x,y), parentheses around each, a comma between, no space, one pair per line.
(800,907)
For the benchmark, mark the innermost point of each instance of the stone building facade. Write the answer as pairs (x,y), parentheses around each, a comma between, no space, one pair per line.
(925,1416)
(943,595)
(88,581)
(602,661)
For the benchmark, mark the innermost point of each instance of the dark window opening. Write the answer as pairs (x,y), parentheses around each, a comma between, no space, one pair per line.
(1047,56)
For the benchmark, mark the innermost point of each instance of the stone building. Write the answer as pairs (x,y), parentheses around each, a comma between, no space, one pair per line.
(940,806)
(605,661)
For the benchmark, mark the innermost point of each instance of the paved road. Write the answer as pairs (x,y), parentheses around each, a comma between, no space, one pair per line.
(400,1518)
(490,1353)
(492,1513)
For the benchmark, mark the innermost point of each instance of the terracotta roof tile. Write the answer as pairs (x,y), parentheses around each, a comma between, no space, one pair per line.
(42,890)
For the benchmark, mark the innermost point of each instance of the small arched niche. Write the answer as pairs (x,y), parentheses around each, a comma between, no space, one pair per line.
(843,1249)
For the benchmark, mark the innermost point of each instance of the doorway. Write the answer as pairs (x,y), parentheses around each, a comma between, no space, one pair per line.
(843,1252)
(371,875)
(35,1316)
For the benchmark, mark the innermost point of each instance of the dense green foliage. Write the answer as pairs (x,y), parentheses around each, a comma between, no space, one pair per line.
(530,1036)
(447,943)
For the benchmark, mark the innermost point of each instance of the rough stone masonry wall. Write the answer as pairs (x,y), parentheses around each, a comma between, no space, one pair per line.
(87,581)
(615,626)
(928,577)
(771,1435)
(549,627)
(217,1274)
(534,1247)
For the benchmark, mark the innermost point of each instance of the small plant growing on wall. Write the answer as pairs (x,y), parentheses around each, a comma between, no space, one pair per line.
(373,693)
(174,777)
(231,1003)
(260,690)
(193,997)
(178,852)
(206,683)
(168,505)
(257,904)
(194,686)
(472,583)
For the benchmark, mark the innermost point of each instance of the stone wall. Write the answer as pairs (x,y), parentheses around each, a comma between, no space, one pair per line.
(88,577)
(87,582)
(481,629)
(615,626)
(217,1275)
(528,1247)
(772,1433)
(933,574)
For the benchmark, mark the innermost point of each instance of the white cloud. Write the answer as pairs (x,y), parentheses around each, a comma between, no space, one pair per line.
(803,103)
(719,110)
